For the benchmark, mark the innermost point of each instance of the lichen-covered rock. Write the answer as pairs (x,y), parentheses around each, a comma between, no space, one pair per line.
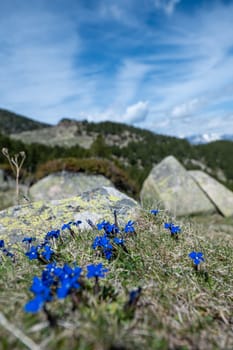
(37,218)
(218,194)
(66,184)
(170,186)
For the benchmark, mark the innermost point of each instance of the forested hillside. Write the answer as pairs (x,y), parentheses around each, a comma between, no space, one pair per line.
(137,157)
(14,123)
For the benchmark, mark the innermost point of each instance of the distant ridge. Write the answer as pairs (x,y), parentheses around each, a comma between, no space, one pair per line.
(207,138)
(12,123)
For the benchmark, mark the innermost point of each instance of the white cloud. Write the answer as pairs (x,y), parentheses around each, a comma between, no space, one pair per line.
(168,6)
(136,113)
(128,82)
(186,109)
(39,65)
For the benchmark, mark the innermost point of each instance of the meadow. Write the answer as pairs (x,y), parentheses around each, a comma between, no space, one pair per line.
(148,293)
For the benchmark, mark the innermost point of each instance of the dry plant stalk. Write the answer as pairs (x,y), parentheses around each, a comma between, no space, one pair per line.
(29,343)
(16,163)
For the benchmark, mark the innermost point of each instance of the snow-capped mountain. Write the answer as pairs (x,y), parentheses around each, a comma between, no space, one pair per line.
(206,138)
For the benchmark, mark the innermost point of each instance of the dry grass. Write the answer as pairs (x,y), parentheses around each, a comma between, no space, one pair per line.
(178,309)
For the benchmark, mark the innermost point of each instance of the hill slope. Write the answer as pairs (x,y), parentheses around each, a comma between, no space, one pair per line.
(14,123)
(134,149)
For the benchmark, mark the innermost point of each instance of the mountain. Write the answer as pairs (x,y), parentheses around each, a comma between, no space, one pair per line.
(11,123)
(132,149)
(206,138)
(69,133)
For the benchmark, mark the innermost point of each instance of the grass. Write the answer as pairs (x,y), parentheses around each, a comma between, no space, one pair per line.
(179,308)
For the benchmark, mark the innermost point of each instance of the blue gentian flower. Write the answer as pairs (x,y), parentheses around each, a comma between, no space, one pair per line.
(50,272)
(102,241)
(96,271)
(47,253)
(107,227)
(52,234)
(154,211)
(108,253)
(42,295)
(28,240)
(67,226)
(65,288)
(35,304)
(32,253)
(173,229)
(69,280)
(119,241)
(7,253)
(168,225)
(197,257)
(129,227)
(134,296)
(101,225)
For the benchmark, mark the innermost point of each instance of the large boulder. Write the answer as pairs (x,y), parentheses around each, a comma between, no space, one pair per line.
(66,184)
(37,218)
(217,193)
(170,186)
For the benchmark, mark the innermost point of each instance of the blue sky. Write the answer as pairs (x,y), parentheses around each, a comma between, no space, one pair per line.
(163,65)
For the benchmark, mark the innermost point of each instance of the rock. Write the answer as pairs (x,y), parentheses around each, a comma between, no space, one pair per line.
(37,218)
(170,186)
(65,184)
(216,192)
(1,177)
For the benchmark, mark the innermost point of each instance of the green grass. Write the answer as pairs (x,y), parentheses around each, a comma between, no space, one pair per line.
(178,308)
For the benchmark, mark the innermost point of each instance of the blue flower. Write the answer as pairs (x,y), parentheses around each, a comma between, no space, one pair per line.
(52,234)
(28,239)
(42,295)
(134,296)
(129,227)
(154,211)
(96,271)
(101,225)
(69,280)
(197,257)
(108,253)
(34,305)
(47,253)
(119,241)
(102,241)
(39,288)
(32,253)
(168,225)
(67,226)
(2,244)
(173,229)
(65,288)
(7,253)
(108,228)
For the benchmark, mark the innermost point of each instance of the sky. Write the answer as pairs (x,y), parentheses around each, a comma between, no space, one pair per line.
(162,65)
